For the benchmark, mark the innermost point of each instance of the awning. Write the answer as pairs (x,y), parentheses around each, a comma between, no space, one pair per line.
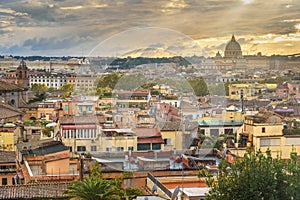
(150,140)
(79,126)
(9,125)
(51,124)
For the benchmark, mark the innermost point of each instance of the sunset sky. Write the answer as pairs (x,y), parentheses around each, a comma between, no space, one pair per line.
(110,28)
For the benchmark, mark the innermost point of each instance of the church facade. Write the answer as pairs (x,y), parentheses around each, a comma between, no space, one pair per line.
(14,87)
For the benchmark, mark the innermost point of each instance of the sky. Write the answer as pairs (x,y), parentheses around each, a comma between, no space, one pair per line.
(164,27)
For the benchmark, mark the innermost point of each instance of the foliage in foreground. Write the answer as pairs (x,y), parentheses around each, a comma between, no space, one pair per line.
(95,187)
(257,176)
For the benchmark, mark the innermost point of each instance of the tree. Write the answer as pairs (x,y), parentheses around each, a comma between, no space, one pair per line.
(106,84)
(278,80)
(95,187)
(68,88)
(39,91)
(199,86)
(37,87)
(109,80)
(257,176)
(131,193)
(131,82)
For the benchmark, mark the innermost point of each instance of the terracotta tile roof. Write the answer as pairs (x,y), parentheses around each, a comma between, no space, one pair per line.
(79,119)
(177,126)
(7,111)
(32,144)
(49,148)
(31,105)
(169,126)
(147,132)
(9,87)
(7,156)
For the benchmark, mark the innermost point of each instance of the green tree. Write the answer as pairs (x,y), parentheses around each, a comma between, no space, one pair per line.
(39,92)
(130,193)
(106,84)
(131,82)
(37,87)
(277,80)
(199,86)
(68,89)
(257,176)
(95,187)
(109,80)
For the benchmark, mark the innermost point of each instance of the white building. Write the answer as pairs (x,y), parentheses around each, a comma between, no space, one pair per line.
(50,80)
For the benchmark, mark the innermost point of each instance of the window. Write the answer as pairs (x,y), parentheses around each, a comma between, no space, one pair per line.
(263,129)
(270,142)
(130,148)
(143,147)
(66,107)
(108,149)
(81,148)
(156,146)
(168,141)
(4,181)
(12,102)
(120,148)
(228,131)
(214,132)
(292,141)
(93,148)
(88,108)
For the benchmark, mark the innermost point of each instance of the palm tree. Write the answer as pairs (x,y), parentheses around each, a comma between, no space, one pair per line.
(93,188)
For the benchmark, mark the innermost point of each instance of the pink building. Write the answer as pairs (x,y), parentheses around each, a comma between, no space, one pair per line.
(282,91)
(294,88)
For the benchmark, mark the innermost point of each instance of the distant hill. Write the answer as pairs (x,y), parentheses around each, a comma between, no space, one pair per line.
(149,53)
(126,63)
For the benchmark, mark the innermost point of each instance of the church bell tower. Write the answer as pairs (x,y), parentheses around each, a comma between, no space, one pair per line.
(22,75)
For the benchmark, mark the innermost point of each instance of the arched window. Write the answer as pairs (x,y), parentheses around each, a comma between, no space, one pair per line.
(12,102)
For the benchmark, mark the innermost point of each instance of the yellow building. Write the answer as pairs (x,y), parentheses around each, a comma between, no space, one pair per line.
(112,140)
(250,90)
(264,131)
(82,82)
(221,121)
(79,133)
(177,136)
(7,141)
(163,89)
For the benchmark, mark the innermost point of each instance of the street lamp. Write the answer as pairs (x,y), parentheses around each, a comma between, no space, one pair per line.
(242,99)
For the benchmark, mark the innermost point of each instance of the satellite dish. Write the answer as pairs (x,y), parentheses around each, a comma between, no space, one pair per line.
(154,189)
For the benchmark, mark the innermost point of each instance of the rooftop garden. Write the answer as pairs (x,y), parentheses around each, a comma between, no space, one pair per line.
(293,131)
(259,120)
(292,128)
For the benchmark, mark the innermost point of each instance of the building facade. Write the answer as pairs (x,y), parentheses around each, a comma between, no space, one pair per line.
(51,80)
